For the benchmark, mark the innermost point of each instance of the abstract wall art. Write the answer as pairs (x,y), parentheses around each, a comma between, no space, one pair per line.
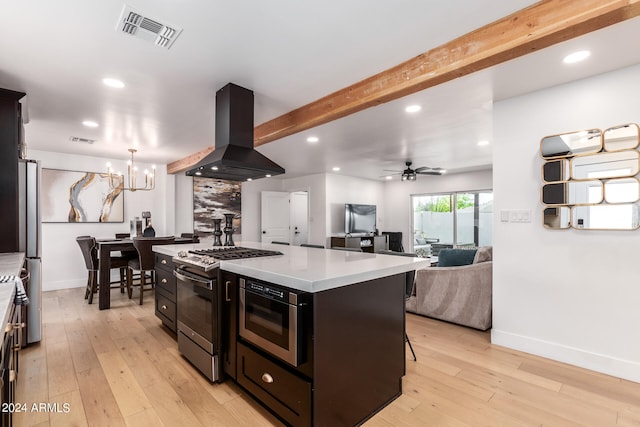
(73,196)
(212,198)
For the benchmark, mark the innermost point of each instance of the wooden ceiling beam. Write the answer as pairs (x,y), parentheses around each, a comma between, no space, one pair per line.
(539,26)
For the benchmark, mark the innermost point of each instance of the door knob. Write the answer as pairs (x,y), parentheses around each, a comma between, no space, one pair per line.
(264,232)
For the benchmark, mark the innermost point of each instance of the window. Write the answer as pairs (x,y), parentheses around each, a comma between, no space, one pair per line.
(452,220)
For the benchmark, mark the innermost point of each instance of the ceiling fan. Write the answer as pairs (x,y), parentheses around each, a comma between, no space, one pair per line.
(410,174)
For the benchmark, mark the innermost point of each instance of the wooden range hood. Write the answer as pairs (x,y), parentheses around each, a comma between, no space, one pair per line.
(531,29)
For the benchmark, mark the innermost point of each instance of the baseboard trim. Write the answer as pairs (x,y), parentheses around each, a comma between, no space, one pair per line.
(63,284)
(602,363)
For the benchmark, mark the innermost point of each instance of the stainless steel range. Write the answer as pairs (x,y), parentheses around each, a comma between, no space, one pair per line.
(198,301)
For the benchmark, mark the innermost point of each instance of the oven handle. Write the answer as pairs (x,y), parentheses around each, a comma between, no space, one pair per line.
(196,281)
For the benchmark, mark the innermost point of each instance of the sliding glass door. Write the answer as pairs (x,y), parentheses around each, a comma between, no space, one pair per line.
(452,220)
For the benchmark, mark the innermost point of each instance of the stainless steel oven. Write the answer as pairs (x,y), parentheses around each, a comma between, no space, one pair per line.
(197,304)
(271,318)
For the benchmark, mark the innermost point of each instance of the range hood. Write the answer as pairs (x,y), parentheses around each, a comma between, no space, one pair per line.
(234,157)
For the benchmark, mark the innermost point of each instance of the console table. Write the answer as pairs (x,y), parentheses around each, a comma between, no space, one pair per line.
(366,243)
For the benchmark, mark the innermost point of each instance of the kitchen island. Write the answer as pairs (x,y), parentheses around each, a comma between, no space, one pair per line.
(352,356)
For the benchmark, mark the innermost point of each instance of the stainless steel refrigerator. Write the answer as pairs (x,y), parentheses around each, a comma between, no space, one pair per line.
(31,242)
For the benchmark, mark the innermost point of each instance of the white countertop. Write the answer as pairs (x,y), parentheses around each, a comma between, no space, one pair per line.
(10,265)
(309,269)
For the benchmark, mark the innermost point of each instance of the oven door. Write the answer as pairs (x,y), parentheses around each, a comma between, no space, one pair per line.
(270,324)
(196,305)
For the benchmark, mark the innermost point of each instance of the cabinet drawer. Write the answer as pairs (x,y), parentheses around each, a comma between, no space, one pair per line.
(166,283)
(284,392)
(163,262)
(166,311)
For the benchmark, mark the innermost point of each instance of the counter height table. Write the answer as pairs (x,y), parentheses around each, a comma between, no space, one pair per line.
(105,247)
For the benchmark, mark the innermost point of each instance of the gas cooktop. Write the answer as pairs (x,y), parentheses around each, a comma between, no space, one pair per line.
(225,253)
(208,259)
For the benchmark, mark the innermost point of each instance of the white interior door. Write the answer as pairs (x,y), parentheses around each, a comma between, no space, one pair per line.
(275,216)
(299,218)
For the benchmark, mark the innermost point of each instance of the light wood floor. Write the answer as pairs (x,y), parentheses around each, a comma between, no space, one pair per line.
(120,367)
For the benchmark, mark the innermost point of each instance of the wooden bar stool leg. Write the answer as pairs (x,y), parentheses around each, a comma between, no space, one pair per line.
(123,279)
(129,282)
(143,282)
(93,278)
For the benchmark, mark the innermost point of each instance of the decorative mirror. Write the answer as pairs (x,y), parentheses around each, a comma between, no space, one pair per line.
(591,179)
(557,218)
(622,137)
(605,217)
(622,190)
(573,193)
(606,165)
(555,170)
(571,144)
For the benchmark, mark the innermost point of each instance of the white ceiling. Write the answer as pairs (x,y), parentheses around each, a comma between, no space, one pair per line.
(289,53)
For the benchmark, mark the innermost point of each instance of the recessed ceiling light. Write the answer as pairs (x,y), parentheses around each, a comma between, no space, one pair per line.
(90,124)
(267,176)
(214,168)
(576,57)
(249,179)
(118,84)
(413,108)
(336,169)
(483,143)
(313,139)
(198,173)
(388,177)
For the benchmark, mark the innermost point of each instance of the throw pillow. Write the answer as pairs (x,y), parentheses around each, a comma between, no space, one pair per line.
(421,242)
(485,253)
(455,257)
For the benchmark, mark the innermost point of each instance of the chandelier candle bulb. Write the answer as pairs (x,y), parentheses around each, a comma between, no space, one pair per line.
(116,180)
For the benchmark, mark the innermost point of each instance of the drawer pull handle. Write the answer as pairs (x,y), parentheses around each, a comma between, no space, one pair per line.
(226,291)
(164,261)
(164,307)
(164,280)
(267,378)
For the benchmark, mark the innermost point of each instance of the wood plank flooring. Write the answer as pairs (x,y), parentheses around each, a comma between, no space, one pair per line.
(120,367)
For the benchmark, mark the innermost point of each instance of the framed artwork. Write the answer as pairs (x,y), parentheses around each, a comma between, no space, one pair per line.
(212,198)
(73,196)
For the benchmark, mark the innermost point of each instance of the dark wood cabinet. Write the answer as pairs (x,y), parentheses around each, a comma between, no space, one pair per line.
(10,137)
(165,295)
(367,244)
(282,391)
(229,332)
(9,366)
(357,357)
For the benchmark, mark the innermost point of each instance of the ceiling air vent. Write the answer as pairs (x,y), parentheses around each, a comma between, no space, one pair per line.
(136,24)
(81,140)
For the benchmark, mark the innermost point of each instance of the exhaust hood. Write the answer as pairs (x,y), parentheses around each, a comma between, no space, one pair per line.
(234,157)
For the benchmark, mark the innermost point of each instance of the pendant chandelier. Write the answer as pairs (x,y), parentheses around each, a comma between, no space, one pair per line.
(116,180)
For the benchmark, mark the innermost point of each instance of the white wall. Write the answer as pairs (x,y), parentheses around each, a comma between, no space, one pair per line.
(62,262)
(327,195)
(568,295)
(251,205)
(343,189)
(397,196)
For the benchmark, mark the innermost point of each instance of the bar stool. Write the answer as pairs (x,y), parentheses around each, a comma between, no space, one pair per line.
(89,251)
(145,262)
